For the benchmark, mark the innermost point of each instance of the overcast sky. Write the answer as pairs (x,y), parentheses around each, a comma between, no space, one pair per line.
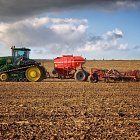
(95,29)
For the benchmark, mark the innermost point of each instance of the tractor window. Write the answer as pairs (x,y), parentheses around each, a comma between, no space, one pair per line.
(21,53)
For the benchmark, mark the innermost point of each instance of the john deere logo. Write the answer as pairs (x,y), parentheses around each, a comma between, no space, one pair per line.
(8,60)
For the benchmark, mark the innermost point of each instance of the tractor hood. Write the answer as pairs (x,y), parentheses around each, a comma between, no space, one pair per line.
(6,60)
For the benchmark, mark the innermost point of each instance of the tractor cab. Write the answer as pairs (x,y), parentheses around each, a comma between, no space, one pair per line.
(19,53)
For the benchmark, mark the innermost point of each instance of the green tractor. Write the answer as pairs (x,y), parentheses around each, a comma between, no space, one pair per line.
(19,67)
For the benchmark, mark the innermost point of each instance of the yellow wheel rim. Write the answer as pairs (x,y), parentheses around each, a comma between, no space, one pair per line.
(3,77)
(33,74)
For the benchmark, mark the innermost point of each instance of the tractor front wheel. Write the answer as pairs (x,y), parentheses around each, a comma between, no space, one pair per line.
(33,74)
(3,77)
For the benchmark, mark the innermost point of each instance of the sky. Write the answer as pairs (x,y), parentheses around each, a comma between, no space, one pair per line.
(94,29)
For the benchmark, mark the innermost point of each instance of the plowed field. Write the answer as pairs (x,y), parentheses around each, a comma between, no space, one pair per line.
(66,109)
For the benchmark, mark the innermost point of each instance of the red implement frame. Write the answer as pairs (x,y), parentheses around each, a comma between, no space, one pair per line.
(115,75)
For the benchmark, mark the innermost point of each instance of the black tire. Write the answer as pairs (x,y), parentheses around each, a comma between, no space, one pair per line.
(80,75)
(94,78)
(43,73)
(87,75)
(54,71)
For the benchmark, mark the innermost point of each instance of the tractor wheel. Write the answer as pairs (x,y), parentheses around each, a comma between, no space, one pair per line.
(94,78)
(33,74)
(3,77)
(80,75)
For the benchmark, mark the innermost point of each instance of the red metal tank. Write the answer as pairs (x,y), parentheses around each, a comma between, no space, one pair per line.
(65,66)
(69,62)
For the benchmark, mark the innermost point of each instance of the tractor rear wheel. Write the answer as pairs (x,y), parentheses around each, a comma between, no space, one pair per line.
(3,77)
(33,74)
(80,75)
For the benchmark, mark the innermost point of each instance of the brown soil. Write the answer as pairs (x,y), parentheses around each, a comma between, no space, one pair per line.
(66,109)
